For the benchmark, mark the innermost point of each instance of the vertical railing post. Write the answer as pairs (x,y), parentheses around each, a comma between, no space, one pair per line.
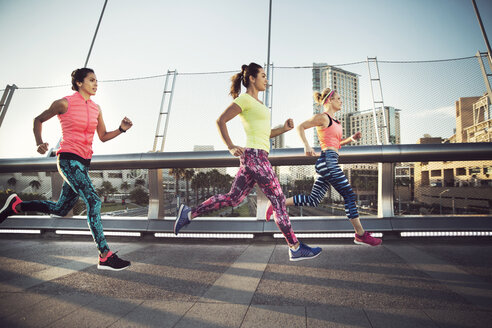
(386,179)
(156,195)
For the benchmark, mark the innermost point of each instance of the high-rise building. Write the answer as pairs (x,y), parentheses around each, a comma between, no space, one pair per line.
(473,120)
(203,148)
(278,141)
(345,83)
(364,122)
(481,130)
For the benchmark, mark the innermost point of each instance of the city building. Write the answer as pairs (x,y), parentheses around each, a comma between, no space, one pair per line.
(364,122)
(480,130)
(459,186)
(278,141)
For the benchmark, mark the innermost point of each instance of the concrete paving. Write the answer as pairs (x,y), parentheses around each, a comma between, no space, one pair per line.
(50,282)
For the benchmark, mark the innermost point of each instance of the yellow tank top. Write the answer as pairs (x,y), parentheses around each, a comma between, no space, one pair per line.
(256,122)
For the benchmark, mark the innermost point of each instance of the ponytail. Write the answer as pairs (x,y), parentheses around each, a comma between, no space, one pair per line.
(236,82)
(320,98)
(317,97)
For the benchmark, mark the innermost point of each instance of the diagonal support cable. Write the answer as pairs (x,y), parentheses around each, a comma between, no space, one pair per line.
(95,33)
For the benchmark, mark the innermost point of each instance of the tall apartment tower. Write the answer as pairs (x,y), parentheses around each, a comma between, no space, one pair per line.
(364,122)
(345,83)
(278,141)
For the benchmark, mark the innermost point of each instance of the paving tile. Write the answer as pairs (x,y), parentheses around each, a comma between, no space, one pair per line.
(453,318)
(102,312)
(211,315)
(401,318)
(11,303)
(238,284)
(49,310)
(275,316)
(336,316)
(159,314)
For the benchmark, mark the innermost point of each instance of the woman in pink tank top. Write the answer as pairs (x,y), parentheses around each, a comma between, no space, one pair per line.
(80,119)
(330,136)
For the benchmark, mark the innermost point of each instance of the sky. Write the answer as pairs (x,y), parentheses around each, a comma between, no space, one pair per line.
(43,41)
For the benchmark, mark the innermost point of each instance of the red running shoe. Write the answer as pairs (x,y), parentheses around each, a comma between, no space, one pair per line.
(9,208)
(367,239)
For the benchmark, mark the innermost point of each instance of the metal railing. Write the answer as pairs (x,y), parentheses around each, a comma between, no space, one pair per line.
(386,156)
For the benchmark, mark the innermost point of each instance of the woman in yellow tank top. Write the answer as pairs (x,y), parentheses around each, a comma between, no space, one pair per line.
(255,166)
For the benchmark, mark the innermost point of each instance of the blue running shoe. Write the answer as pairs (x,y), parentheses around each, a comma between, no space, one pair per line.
(304,252)
(183,218)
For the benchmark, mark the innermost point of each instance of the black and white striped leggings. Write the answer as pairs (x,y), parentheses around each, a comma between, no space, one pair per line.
(330,173)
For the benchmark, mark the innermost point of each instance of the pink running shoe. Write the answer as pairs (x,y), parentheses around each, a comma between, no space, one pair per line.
(367,239)
(9,208)
(269,212)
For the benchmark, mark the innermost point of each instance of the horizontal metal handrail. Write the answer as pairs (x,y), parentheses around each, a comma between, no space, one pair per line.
(284,156)
(233,225)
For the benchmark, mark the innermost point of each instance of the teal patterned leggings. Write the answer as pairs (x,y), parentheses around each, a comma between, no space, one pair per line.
(77,184)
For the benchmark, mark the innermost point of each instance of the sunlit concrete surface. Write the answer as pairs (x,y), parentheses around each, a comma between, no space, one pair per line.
(54,282)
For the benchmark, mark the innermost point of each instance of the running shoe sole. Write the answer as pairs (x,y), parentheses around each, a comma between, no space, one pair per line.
(365,244)
(295,259)
(105,267)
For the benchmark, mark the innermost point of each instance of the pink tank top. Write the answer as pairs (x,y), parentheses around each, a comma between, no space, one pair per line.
(78,126)
(331,135)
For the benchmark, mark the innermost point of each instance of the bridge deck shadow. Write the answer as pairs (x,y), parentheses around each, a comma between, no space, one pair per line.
(435,282)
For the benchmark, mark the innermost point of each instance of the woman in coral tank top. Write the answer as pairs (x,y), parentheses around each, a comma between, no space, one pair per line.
(330,137)
(80,118)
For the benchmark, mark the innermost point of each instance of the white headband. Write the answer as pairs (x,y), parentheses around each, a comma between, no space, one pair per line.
(327,96)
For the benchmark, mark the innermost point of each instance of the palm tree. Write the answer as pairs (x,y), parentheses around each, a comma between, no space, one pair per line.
(206,179)
(188,174)
(35,184)
(224,182)
(215,178)
(199,182)
(177,173)
(139,196)
(125,186)
(139,182)
(303,185)
(227,181)
(106,189)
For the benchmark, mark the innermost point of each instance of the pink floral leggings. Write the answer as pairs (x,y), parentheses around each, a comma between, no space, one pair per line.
(255,168)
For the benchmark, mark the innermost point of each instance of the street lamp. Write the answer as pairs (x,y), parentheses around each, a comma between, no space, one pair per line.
(440,202)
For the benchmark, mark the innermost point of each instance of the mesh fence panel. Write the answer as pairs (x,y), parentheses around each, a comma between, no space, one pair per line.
(443,188)
(433,99)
